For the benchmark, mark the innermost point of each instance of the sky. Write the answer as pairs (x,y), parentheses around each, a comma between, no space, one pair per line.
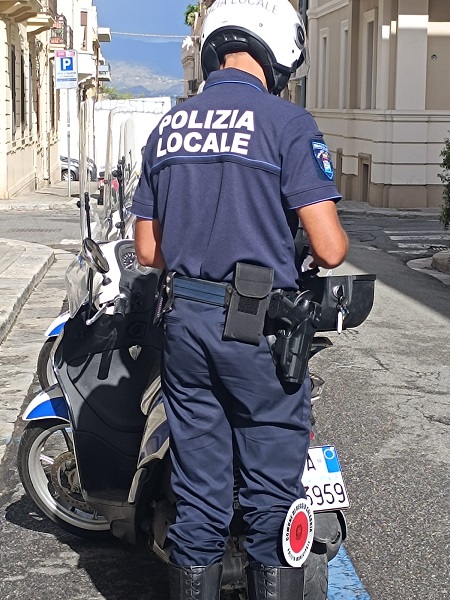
(145,16)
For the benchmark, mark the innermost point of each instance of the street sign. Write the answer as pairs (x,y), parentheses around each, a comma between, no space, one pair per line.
(66,69)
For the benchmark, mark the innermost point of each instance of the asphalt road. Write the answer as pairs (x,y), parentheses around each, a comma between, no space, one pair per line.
(386,407)
(404,237)
(49,227)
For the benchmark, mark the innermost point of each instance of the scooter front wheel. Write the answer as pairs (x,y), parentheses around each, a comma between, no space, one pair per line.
(44,369)
(49,474)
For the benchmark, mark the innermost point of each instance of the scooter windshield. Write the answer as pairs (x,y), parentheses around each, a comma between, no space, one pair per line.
(77,276)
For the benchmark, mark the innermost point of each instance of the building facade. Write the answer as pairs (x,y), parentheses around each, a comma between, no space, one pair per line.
(86,38)
(31,114)
(379,88)
(28,117)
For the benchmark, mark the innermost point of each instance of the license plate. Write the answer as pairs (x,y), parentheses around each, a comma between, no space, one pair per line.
(322,480)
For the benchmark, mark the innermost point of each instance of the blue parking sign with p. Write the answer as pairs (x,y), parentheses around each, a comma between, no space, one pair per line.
(67,64)
(66,69)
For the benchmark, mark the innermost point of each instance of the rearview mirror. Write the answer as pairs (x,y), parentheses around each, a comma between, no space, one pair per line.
(93,254)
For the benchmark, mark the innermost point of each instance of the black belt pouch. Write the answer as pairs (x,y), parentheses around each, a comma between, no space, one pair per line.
(248,304)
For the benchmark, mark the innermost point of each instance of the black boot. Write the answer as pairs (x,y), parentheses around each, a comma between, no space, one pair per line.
(275,583)
(195,583)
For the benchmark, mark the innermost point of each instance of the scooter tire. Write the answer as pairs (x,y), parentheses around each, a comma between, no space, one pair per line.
(34,468)
(316,576)
(44,369)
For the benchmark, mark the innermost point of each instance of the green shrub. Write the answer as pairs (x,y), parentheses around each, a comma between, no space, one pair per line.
(189,15)
(445,178)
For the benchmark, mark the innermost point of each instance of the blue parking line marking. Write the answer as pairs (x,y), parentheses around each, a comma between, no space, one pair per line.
(343,581)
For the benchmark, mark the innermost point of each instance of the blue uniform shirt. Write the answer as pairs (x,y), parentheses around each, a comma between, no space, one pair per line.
(223,172)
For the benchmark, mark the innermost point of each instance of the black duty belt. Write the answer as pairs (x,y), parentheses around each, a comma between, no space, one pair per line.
(210,292)
(294,316)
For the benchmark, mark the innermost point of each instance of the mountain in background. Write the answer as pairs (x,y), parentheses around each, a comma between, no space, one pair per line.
(162,58)
(143,66)
(141,80)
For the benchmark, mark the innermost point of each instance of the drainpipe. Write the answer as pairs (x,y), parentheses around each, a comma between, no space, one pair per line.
(304,79)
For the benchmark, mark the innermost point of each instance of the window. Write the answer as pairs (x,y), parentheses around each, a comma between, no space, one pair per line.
(30,95)
(23,114)
(364,176)
(84,23)
(12,83)
(338,168)
(52,104)
(344,60)
(369,61)
(323,68)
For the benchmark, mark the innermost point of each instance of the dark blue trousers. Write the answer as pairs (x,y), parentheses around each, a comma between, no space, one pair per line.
(221,395)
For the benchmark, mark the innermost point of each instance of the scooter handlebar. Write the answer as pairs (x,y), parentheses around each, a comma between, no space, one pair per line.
(120,305)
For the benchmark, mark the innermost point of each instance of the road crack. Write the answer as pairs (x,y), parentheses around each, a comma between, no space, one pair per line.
(436,419)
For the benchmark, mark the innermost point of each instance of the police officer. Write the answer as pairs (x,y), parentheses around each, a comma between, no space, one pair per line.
(226,177)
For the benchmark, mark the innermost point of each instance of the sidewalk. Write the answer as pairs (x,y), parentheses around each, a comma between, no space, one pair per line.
(23,265)
(49,198)
(437,266)
(363,208)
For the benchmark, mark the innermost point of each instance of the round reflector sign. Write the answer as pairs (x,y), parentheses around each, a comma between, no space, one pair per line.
(298,533)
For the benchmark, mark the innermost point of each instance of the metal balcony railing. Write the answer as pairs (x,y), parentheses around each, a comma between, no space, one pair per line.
(61,34)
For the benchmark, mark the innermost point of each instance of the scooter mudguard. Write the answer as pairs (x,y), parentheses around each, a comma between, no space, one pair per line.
(57,325)
(330,528)
(48,404)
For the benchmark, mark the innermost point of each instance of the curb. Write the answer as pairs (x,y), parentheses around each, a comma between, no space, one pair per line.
(425,265)
(51,205)
(441,261)
(27,265)
(385,212)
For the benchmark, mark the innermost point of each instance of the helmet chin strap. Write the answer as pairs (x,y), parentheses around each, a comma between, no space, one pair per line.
(227,42)
(281,81)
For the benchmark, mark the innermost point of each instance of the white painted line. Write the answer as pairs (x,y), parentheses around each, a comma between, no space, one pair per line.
(405,251)
(442,236)
(67,242)
(427,246)
(418,231)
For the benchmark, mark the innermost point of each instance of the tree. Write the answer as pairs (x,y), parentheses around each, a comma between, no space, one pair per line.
(189,15)
(445,178)
(112,94)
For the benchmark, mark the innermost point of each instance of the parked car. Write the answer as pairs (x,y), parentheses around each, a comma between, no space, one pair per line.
(75,169)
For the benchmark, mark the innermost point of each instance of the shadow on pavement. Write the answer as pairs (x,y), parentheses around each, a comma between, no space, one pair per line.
(115,570)
(426,290)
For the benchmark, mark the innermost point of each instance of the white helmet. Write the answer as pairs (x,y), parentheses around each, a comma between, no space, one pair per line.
(271,31)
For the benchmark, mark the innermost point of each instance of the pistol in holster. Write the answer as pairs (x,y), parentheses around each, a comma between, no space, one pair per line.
(299,317)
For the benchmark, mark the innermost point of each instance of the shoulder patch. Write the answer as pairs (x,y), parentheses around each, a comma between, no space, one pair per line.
(323,158)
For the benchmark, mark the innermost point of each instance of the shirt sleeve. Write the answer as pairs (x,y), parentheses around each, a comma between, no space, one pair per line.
(143,204)
(307,174)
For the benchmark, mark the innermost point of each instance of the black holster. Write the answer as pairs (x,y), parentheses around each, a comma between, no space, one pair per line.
(248,303)
(299,317)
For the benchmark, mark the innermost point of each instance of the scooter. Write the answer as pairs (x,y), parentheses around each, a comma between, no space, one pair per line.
(120,227)
(94,455)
